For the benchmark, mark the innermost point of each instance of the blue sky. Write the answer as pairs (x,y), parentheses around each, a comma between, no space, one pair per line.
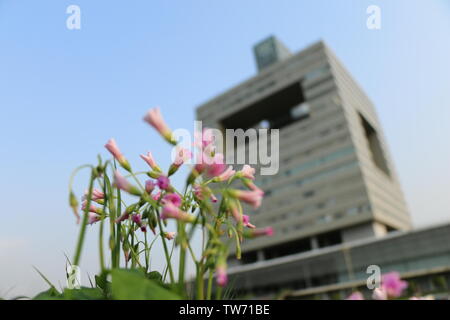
(63,93)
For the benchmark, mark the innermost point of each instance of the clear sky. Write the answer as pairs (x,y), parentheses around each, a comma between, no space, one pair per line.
(63,93)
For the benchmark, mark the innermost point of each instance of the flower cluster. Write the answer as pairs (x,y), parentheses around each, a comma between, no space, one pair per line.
(391,287)
(212,199)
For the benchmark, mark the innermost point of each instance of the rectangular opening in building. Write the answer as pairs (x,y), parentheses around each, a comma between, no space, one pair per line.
(275,111)
(375,146)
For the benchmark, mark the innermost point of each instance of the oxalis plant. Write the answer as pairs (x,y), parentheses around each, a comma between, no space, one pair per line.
(211,202)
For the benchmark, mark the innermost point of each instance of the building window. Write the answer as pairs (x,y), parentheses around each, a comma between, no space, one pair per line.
(329,239)
(352,211)
(338,215)
(309,194)
(317,73)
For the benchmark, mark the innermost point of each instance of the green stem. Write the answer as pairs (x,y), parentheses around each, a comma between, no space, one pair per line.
(146,253)
(81,235)
(200,284)
(72,176)
(133,254)
(100,233)
(192,253)
(100,245)
(218,293)
(166,252)
(209,289)
(170,258)
(118,228)
(135,173)
(137,181)
(182,261)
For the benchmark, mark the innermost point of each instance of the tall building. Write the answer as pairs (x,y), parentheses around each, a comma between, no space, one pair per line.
(336,181)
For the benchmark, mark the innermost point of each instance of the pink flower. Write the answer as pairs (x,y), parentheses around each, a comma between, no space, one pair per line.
(182,155)
(149,186)
(429,297)
(201,191)
(249,184)
(173,212)
(151,161)
(246,222)
(124,216)
(121,183)
(157,196)
(93,217)
(355,296)
(268,231)
(200,164)
(393,285)
(379,294)
(247,172)
(213,166)
(112,147)
(203,139)
(137,218)
(92,208)
(253,233)
(163,182)
(155,119)
(237,214)
(174,198)
(96,195)
(169,235)
(221,276)
(253,198)
(227,174)
(198,191)
(217,166)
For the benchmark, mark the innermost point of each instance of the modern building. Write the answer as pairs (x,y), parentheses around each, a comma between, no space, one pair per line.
(336,181)
(421,256)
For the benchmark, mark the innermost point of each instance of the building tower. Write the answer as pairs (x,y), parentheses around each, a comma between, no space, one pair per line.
(336,181)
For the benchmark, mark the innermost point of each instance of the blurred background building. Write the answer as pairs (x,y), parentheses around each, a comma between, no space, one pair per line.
(336,193)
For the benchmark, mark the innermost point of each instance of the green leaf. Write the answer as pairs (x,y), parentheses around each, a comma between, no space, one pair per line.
(84,293)
(133,285)
(155,276)
(101,281)
(50,294)
(45,278)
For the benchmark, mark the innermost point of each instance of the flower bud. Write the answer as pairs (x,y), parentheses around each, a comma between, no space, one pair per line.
(155,119)
(121,183)
(73,202)
(117,154)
